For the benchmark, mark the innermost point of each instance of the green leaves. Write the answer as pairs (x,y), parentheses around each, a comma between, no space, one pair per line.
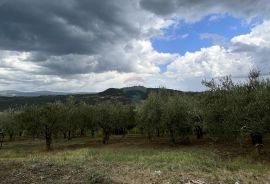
(167,113)
(8,123)
(230,106)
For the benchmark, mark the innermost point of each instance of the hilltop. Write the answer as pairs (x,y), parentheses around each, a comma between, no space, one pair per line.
(15,99)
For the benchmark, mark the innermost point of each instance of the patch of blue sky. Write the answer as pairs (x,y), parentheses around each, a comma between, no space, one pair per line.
(210,30)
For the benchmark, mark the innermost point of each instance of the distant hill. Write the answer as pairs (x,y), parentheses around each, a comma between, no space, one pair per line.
(13,93)
(16,99)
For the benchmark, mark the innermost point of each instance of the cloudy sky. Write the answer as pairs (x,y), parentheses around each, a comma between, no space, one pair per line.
(91,45)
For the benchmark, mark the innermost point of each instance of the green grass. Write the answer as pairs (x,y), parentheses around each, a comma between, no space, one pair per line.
(138,165)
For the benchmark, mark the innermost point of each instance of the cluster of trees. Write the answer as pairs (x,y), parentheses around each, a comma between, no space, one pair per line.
(68,119)
(227,111)
(232,110)
(168,114)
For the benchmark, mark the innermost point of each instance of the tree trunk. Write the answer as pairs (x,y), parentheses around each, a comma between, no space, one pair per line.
(48,137)
(64,134)
(48,143)
(172,137)
(1,139)
(93,133)
(173,140)
(106,137)
(124,133)
(82,132)
(199,132)
(158,132)
(256,138)
(69,135)
(10,137)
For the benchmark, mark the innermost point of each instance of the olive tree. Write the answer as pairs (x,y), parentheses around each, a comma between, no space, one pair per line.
(70,118)
(85,118)
(231,108)
(109,116)
(30,120)
(2,134)
(223,109)
(44,119)
(50,118)
(9,123)
(125,119)
(149,114)
(257,109)
(176,117)
(104,118)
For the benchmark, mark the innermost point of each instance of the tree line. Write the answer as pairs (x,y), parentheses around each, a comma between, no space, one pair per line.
(226,111)
(68,119)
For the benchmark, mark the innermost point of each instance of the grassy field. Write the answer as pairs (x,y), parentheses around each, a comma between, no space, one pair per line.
(130,160)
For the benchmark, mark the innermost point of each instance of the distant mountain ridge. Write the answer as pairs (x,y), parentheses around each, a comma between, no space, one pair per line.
(109,91)
(13,93)
(16,99)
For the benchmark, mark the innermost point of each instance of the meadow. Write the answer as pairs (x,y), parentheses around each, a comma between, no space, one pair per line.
(131,159)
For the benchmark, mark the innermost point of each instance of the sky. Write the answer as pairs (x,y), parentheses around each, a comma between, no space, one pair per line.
(92,45)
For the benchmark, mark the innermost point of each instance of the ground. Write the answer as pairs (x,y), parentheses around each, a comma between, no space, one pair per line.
(131,159)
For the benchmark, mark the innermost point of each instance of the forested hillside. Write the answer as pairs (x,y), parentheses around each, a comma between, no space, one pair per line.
(129,94)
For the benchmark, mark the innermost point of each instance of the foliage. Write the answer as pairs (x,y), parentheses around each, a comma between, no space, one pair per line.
(150,114)
(176,117)
(8,123)
(167,113)
(231,108)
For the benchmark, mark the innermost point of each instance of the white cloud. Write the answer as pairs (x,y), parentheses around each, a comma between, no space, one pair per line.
(183,36)
(209,62)
(13,60)
(259,36)
(215,38)
(16,72)
(255,45)
(216,17)
(243,53)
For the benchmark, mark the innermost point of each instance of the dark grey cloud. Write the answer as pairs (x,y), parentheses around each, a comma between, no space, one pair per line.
(195,9)
(64,26)
(72,36)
